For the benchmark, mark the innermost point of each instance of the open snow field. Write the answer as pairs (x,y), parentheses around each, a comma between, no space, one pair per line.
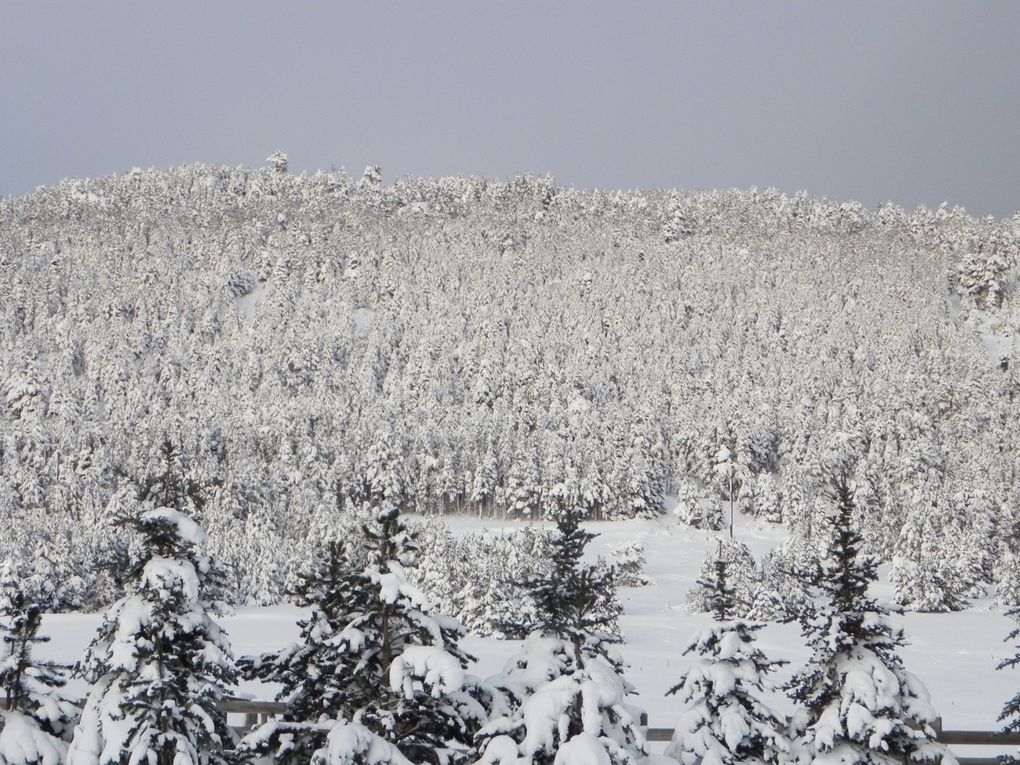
(954,654)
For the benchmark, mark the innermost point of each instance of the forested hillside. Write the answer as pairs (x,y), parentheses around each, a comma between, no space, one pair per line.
(294,347)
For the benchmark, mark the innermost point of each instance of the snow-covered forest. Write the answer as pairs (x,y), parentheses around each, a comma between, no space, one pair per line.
(295,347)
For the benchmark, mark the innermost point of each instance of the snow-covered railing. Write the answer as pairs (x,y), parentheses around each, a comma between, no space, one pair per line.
(949,737)
(257,712)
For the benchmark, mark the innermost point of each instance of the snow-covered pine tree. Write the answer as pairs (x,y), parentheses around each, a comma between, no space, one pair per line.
(566,684)
(35,716)
(926,577)
(725,720)
(371,656)
(1008,589)
(629,559)
(743,576)
(781,593)
(859,703)
(576,601)
(307,671)
(692,510)
(159,664)
(767,500)
(1010,714)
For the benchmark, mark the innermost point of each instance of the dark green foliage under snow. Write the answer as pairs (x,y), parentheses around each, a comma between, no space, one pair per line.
(575,600)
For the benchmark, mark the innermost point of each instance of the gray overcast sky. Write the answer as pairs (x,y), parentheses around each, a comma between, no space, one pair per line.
(909,101)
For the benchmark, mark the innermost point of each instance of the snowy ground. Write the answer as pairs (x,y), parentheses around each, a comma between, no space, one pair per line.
(954,654)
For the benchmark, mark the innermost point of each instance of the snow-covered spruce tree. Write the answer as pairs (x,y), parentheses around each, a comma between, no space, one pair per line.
(858,702)
(780,593)
(724,720)
(307,671)
(35,717)
(692,510)
(159,664)
(1008,589)
(629,560)
(926,577)
(373,657)
(767,500)
(566,684)
(742,571)
(1010,714)
(576,601)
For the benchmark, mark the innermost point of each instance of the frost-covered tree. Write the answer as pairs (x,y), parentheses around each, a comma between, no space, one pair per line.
(478,578)
(926,576)
(693,510)
(371,655)
(1008,590)
(724,719)
(767,499)
(566,686)
(35,715)
(159,665)
(1010,714)
(780,593)
(981,277)
(574,719)
(629,561)
(575,600)
(277,161)
(311,685)
(858,703)
(743,576)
